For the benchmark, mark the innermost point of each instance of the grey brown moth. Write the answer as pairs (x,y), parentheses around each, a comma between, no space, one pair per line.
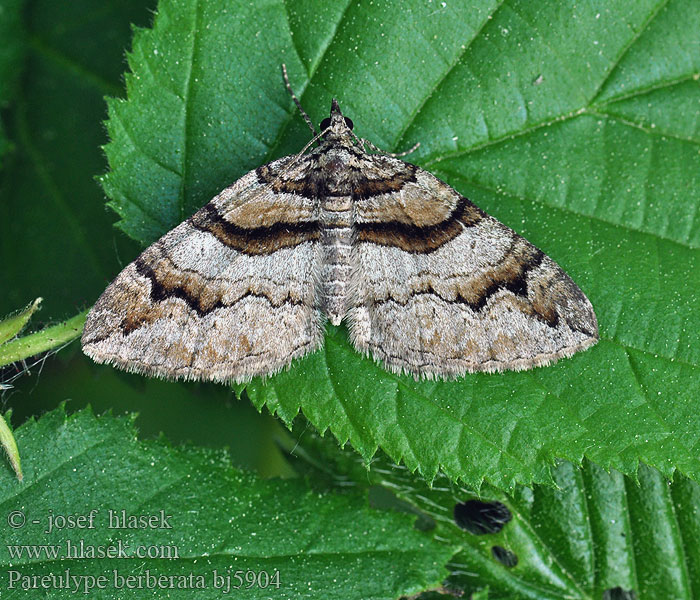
(427,282)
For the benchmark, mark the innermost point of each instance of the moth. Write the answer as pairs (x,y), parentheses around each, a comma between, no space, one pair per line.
(427,282)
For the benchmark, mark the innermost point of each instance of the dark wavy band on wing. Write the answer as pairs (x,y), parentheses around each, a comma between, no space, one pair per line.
(187,287)
(258,240)
(175,286)
(511,277)
(417,239)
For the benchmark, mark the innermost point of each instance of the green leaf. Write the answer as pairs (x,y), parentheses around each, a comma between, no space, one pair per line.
(322,545)
(594,533)
(546,115)
(75,56)
(9,444)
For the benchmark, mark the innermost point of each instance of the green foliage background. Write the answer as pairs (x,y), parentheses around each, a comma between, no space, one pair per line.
(576,124)
(219,519)
(57,239)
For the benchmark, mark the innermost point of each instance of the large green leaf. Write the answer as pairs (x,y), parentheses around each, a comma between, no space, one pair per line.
(596,535)
(574,124)
(209,517)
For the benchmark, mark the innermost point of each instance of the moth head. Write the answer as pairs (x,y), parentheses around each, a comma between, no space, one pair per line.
(336,126)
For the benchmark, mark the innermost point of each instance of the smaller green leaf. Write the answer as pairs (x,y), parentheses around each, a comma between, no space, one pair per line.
(48,338)
(219,519)
(7,440)
(12,325)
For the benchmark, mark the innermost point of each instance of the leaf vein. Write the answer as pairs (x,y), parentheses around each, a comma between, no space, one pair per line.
(568,209)
(625,49)
(444,75)
(302,89)
(187,109)
(400,384)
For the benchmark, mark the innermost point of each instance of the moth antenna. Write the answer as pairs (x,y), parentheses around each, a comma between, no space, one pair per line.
(296,100)
(363,142)
(405,152)
(311,141)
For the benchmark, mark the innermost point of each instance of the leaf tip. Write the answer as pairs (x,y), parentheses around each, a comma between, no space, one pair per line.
(7,439)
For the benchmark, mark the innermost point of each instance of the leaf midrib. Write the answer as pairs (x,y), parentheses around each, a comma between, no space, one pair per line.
(428,160)
(270,155)
(419,107)
(187,110)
